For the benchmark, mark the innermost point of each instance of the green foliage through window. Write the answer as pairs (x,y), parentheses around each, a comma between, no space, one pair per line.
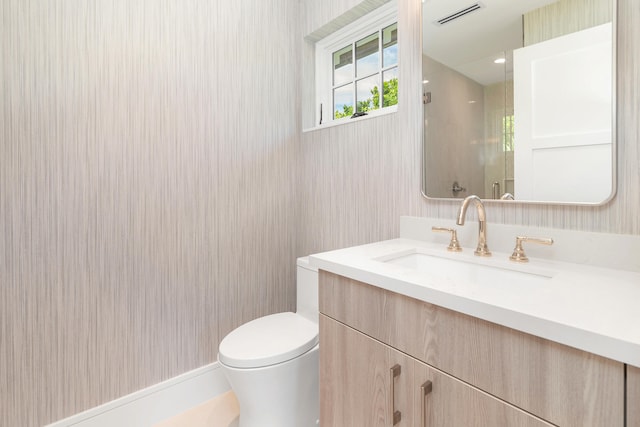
(389,93)
(347,111)
(507,133)
(389,98)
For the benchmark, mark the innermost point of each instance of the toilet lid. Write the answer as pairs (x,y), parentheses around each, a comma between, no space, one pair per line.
(268,340)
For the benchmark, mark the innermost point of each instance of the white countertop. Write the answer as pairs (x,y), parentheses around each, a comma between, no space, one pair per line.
(590,308)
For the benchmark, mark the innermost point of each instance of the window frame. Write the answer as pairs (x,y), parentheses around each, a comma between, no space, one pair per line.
(373,22)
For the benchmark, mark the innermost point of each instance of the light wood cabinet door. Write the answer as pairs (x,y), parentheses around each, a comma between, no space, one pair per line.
(358,388)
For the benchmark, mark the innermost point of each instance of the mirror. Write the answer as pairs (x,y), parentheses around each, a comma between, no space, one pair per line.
(518,100)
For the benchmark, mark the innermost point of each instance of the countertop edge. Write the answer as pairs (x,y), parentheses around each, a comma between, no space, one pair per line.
(614,348)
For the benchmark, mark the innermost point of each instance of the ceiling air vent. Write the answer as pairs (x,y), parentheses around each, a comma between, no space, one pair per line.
(459,14)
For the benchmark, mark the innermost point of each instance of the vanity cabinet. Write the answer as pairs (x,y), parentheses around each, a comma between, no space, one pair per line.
(365,382)
(484,373)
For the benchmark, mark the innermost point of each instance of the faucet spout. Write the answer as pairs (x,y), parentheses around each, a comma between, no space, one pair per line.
(481,249)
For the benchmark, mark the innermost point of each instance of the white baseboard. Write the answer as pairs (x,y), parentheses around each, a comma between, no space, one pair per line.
(156,403)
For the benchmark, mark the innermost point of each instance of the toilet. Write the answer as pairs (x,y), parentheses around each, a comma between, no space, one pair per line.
(272,362)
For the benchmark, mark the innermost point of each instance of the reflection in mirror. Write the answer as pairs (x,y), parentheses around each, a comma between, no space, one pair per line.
(518,100)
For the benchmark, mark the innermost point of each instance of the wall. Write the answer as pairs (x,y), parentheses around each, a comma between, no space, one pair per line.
(454,131)
(357,179)
(564,17)
(146,191)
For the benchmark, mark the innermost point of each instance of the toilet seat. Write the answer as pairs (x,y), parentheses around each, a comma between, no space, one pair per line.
(268,340)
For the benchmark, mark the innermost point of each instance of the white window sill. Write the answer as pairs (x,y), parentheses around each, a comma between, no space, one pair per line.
(370,115)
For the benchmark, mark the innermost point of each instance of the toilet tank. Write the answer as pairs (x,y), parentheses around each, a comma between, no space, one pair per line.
(307,290)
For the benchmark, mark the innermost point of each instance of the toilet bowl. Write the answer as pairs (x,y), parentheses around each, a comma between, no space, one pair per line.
(272,362)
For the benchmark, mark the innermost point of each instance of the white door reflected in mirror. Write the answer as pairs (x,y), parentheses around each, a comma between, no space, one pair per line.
(564,143)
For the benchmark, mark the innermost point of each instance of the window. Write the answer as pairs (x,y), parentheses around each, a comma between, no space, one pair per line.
(357,67)
(507,133)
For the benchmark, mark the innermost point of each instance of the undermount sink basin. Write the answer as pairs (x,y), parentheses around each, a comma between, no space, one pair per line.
(468,270)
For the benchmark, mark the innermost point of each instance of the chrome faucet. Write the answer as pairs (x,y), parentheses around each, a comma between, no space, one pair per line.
(482,249)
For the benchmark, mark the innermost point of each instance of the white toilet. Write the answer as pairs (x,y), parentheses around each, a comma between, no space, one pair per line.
(272,362)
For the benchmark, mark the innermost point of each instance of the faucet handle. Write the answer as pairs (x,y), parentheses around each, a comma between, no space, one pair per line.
(518,254)
(454,244)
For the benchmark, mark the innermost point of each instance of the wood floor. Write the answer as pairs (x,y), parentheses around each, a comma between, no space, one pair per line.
(221,411)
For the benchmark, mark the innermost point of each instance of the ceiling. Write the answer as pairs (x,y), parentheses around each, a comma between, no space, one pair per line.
(472,42)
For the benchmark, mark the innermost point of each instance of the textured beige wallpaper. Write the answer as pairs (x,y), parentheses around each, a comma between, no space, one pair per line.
(357,179)
(146,190)
(564,17)
(360,177)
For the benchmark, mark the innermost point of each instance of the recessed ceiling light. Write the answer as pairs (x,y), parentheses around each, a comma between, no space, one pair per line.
(425,81)
(500,61)
(472,102)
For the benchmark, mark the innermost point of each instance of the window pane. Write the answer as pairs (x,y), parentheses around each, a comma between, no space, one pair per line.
(343,101)
(390,87)
(367,55)
(343,65)
(390,45)
(507,133)
(368,94)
